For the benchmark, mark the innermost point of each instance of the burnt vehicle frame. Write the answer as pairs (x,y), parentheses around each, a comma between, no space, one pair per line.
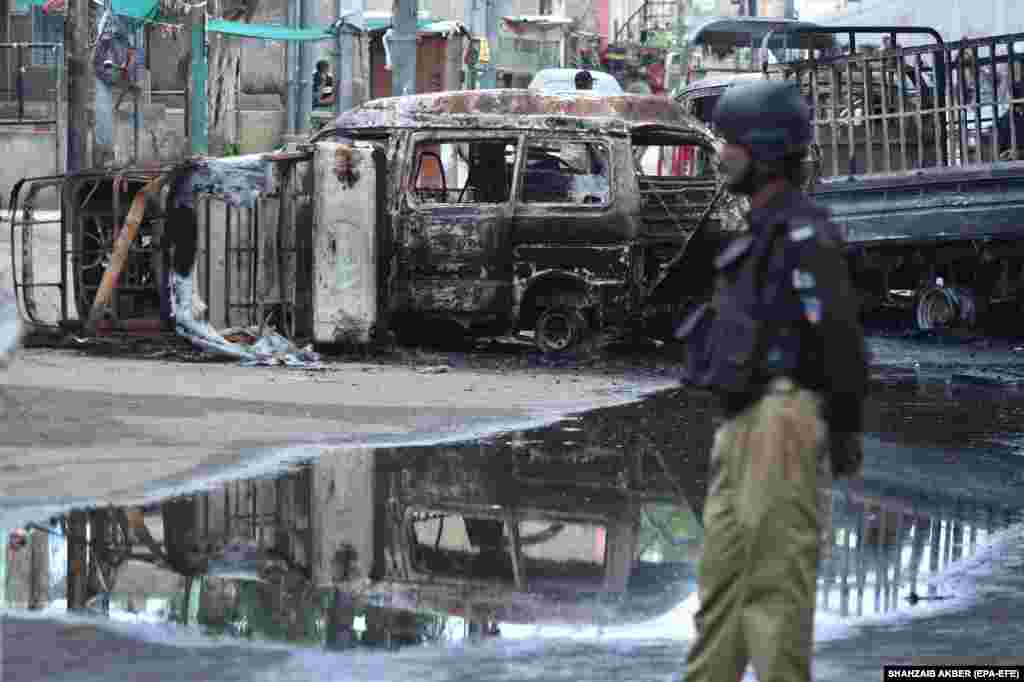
(622,256)
(558,268)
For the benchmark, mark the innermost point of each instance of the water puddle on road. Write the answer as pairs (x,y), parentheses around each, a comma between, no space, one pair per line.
(590,524)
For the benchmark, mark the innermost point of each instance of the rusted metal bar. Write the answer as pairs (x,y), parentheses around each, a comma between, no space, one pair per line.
(812,76)
(918,106)
(852,31)
(227,265)
(283,198)
(940,107)
(40,122)
(1011,74)
(115,233)
(208,258)
(227,511)
(20,81)
(887,151)
(518,565)
(869,140)
(976,70)
(958,108)
(851,122)
(124,241)
(253,491)
(834,96)
(78,557)
(901,93)
(255,296)
(995,100)
(63,264)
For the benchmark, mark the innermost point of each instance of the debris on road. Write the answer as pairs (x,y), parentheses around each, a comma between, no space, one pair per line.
(10,327)
(248,346)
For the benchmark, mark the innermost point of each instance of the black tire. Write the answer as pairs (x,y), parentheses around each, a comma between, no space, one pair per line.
(560,329)
(939,308)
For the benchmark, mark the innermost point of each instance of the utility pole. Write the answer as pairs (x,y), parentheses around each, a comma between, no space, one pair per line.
(308,18)
(76,55)
(199,74)
(403,47)
(350,17)
(489,74)
(474,23)
(291,81)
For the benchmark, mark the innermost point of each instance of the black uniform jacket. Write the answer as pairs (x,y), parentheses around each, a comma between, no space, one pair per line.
(783,306)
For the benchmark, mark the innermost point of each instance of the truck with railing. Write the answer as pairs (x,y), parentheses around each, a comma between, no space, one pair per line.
(916,148)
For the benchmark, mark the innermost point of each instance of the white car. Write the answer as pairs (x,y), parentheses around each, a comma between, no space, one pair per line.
(563,82)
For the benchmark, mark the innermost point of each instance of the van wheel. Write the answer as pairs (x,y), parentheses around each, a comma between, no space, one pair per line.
(560,328)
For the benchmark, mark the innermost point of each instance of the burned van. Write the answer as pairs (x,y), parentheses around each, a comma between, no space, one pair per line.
(509,211)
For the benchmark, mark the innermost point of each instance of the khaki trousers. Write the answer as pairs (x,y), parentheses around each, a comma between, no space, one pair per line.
(762,529)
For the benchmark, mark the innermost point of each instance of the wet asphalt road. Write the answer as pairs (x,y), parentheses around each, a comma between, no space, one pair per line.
(927,562)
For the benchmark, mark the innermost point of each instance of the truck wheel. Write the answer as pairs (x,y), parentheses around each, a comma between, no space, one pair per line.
(941,307)
(560,328)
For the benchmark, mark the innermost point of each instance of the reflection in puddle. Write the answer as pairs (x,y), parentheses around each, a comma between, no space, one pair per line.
(392,547)
(886,550)
(386,548)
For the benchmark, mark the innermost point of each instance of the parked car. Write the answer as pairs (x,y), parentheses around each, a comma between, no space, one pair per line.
(562,81)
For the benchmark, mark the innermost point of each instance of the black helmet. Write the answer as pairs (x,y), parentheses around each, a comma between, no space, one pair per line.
(770,117)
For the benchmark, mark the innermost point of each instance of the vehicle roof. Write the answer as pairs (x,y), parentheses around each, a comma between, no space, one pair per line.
(571,73)
(511,109)
(562,81)
(742,31)
(719,82)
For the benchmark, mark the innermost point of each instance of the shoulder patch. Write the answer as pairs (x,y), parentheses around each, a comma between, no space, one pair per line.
(803,280)
(812,308)
(732,253)
(801,233)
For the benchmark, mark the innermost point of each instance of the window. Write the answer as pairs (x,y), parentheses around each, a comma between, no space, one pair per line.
(559,172)
(464,546)
(463,171)
(680,160)
(46,28)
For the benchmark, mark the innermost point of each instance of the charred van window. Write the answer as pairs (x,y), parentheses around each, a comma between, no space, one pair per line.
(463,171)
(559,172)
(673,160)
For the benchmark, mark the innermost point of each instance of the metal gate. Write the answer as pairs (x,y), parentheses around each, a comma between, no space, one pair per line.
(253,266)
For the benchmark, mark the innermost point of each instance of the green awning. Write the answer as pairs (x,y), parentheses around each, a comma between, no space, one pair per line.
(268,31)
(374,24)
(150,10)
(135,9)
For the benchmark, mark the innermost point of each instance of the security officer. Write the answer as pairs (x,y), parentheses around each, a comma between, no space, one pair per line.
(781,344)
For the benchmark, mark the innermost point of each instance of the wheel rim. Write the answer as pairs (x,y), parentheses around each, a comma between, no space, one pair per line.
(943,307)
(557,331)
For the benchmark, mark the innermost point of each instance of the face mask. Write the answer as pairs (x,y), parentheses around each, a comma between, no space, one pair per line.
(738,175)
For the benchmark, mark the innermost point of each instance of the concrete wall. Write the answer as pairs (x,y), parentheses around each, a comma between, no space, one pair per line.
(29,151)
(32,151)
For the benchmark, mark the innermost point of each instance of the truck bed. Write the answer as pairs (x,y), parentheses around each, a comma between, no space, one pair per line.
(982,202)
